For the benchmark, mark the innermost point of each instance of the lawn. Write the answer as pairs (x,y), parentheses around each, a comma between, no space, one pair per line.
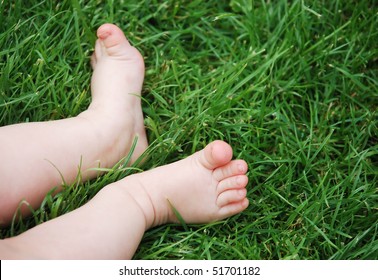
(291,85)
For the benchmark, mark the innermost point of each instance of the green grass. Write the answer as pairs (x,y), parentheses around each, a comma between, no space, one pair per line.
(291,85)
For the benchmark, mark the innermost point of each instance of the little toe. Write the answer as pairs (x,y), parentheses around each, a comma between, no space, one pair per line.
(231,196)
(235,182)
(215,154)
(235,167)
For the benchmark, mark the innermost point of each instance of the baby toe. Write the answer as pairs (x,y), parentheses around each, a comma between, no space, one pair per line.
(231,196)
(215,154)
(113,39)
(235,167)
(233,208)
(234,182)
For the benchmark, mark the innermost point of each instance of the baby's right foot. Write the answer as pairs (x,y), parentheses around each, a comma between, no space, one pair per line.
(116,87)
(205,187)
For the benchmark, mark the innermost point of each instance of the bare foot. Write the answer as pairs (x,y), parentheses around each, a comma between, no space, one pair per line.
(116,87)
(205,187)
(100,136)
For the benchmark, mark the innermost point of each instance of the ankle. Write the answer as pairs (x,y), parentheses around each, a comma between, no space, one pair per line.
(113,137)
(134,188)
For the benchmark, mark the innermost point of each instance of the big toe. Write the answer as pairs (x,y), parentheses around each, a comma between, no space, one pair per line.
(113,39)
(216,154)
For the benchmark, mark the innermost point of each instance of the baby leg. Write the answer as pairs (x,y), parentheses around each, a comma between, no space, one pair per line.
(36,155)
(205,187)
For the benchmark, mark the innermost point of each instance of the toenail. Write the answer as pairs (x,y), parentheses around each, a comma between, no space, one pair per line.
(241,167)
(104,35)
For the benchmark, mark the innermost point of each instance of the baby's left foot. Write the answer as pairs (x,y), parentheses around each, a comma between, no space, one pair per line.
(205,187)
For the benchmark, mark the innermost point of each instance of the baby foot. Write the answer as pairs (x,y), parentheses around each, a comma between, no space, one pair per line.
(116,88)
(118,68)
(205,187)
